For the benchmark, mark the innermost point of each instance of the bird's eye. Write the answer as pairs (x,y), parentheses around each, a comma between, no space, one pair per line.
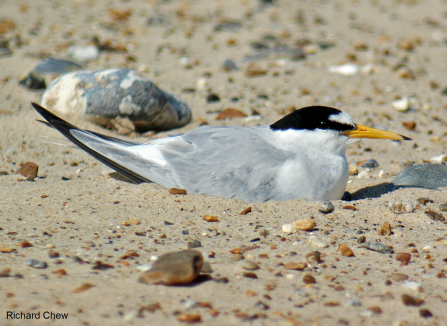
(323,124)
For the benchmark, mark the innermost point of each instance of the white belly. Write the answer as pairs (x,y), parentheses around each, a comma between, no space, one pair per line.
(318,179)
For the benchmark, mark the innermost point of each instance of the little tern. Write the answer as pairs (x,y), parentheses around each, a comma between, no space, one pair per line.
(301,156)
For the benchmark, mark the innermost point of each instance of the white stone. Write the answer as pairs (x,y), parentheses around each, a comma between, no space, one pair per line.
(201,84)
(347,69)
(439,159)
(399,207)
(315,242)
(288,228)
(413,285)
(402,104)
(363,175)
(83,53)
(143,268)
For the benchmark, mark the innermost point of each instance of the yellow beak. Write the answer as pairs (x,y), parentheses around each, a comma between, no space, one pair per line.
(368,132)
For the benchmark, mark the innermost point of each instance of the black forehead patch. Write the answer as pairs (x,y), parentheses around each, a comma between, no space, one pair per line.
(310,118)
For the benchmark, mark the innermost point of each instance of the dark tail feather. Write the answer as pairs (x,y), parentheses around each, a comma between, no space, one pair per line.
(64,128)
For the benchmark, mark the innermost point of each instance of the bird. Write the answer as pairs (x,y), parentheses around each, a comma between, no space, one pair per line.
(300,156)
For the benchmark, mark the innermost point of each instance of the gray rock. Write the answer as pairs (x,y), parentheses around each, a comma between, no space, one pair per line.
(56,67)
(229,65)
(326,207)
(376,246)
(46,71)
(429,176)
(36,263)
(194,244)
(370,164)
(180,267)
(103,95)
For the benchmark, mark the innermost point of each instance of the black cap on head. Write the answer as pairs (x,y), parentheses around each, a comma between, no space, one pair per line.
(310,118)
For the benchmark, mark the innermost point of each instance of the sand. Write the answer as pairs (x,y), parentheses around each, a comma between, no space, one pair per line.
(76,207)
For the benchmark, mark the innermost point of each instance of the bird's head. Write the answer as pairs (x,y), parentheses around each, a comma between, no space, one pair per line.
(326,126)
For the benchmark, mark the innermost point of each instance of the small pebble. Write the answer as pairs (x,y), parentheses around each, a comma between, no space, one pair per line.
(194,244)
(369,164)
(179,267)
(28,170)
(304,224)
(36,264)
(315,242)
(212,98)
(410,125)
(314,257)
(238,257)
(245,211)
(250,275)
(353,170)
(83,287)
(424,201)
(295,266)
(408,300)
(210,218)
(344,250)
(425,313)
(309,279)
(399,207)
(402,104)
(376,246)
(412,285)
(248,265)
(375,310)
(189,318)
(261,305)
(33,81)
(435,216)
(443,207)
(438,159)
(399,277)
(177,191)
(361,239)
(403,257)
(352,303)
(326,207)
(229,65)
(363,175)
(348,69)
(385,229)
(83,53)
(229,114)
(47,71)
(288,228)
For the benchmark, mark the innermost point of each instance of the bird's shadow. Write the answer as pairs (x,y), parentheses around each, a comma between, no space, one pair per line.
(375,191)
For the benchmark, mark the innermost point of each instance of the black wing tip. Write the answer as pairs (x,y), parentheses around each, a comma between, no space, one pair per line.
(65,129)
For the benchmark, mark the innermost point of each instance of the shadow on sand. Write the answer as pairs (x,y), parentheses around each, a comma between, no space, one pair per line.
(371,192)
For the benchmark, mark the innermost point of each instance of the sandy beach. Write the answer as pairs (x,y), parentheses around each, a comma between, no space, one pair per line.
(396,54)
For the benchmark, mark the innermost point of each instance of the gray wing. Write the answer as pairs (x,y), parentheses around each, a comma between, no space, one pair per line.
(235,162)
